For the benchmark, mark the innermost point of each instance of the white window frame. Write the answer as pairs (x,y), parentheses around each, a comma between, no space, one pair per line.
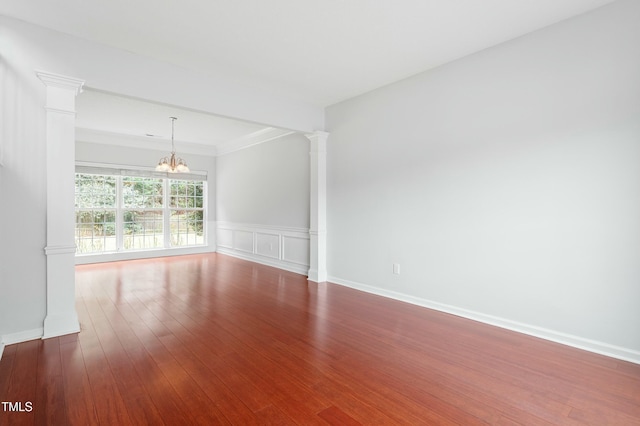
(122,209)
(128,171)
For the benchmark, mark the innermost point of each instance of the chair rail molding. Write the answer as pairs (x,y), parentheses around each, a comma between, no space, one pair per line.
(278,246)
(61,92)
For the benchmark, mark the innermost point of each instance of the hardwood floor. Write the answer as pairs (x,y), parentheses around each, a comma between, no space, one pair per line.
(209,339)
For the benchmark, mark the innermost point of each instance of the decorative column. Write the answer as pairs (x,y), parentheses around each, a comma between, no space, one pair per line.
(62,317)
(318,207)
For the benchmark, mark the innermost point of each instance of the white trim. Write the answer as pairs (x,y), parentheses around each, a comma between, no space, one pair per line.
(317,206)
(60,102)
(60,111)
(70,248)
(1,350)
(278,257)
(86,259)
(255,138)
(594,346)
(284,254)
(22,336)
(109,169)
(287,230)
(60,325)
(105,137)
(166,210)
(51,79)
(287,266)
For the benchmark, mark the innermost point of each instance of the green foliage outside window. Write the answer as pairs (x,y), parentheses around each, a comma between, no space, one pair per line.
(140,212)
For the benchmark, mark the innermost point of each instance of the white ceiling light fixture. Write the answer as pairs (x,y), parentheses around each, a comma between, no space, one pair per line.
(172,164)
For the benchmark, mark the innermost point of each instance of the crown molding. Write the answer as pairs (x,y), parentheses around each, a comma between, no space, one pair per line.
(255,138)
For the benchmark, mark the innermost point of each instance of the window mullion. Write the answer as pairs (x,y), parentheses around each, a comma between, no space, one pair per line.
(166,213)
(205,227)
(119,215)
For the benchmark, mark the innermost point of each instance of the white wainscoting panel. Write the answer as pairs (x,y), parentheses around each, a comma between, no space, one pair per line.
(295,249)
(281,247)
(243,241)
(268,245)
(224,237)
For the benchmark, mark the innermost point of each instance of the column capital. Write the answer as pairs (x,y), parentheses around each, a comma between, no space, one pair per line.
(319,138)
(62,81)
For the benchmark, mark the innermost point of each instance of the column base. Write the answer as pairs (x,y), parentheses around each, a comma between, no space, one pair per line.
(60,325)
(316,276)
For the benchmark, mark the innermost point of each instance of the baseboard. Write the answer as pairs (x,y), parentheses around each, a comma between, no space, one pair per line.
(601,348)
(141,254)
(22,336)
(278,246)
(1,350)
(291,267)
(60,325)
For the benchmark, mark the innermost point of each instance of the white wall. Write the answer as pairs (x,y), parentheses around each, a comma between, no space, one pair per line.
(505,184)
(22,197)
(267,184)
(263,203)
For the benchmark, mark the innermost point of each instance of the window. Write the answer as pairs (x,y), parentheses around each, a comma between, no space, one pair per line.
(123,213)
(187,212)
(95,213)
(142,213)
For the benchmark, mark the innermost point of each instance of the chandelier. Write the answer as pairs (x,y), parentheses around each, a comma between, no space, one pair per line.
(172,164)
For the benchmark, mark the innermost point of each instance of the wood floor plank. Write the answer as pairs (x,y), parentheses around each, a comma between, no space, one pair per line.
(210,339)
(109,405)
(22,386)
(6,366)
(79,397)
(6,370)
(335,416)
(50,392)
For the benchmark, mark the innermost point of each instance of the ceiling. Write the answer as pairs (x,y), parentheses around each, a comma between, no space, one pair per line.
(317,51)
(113,119)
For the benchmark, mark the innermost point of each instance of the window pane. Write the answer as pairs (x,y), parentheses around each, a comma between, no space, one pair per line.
(95,191)
(187,228)
(142,229)
(95,231)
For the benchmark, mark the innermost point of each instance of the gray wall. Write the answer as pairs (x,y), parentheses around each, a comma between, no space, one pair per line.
(121,155)
(23,196)
(505,184)
(267,184)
